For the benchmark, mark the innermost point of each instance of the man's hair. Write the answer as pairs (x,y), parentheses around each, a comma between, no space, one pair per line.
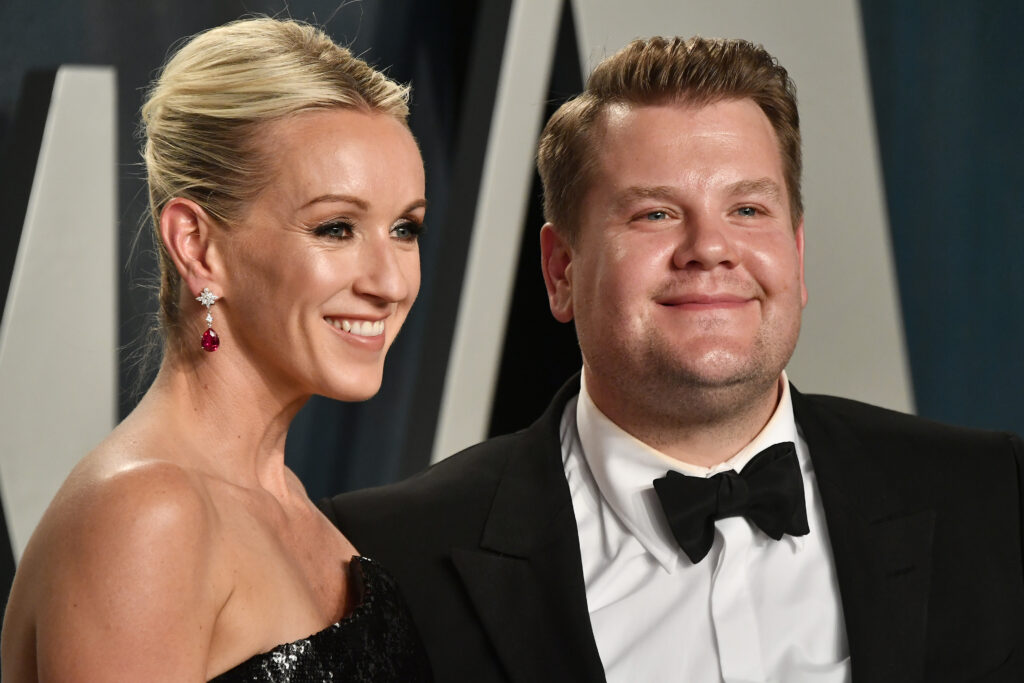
(697,71)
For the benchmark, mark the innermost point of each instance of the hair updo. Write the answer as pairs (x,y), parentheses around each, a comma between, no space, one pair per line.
(202,117)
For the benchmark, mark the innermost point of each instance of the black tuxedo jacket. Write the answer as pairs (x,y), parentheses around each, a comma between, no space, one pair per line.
(925,523)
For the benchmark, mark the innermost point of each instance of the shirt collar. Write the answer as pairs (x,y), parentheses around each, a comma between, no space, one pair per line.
(625,468)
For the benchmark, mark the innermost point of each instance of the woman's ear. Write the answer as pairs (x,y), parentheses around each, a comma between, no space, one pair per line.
(186,230)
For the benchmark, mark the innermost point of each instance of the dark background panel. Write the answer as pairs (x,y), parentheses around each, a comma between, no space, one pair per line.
(18,167)
(949,105)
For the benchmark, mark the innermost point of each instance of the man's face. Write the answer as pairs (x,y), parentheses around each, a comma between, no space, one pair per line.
(687,271)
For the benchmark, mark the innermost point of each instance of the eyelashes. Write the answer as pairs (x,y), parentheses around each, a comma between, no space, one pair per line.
(408,230)
(404,230)
(334,229)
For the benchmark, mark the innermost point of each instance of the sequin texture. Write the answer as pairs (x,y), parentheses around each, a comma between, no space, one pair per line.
(376,643)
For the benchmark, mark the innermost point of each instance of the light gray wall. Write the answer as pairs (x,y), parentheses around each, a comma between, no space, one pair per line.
(58,339)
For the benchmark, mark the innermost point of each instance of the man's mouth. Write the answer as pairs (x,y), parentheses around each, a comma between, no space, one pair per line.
(704,300)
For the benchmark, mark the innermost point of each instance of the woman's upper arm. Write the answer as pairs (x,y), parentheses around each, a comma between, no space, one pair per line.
(131,590)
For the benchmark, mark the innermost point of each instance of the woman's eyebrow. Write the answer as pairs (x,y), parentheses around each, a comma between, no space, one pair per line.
(351,199)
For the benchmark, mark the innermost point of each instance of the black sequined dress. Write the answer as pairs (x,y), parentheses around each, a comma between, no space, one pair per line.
(376,643)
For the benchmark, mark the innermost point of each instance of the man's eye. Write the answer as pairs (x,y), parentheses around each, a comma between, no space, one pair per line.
(748,211)
(656,215)
(334,229)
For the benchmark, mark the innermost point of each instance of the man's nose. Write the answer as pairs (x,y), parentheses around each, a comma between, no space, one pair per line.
(705,243)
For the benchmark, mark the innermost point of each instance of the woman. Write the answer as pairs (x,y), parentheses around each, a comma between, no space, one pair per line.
(287,194)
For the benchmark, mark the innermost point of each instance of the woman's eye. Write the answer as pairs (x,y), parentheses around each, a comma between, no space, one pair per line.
(334,229)
(407,231)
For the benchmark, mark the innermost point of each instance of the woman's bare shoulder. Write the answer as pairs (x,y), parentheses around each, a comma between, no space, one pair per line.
(115,490)
(125,554)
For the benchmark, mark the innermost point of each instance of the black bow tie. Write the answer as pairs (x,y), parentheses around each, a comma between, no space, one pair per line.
(769,492)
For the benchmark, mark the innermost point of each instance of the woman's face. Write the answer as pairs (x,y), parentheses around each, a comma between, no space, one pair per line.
(323,268)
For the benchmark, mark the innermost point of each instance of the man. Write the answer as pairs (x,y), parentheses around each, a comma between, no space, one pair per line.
(614,539)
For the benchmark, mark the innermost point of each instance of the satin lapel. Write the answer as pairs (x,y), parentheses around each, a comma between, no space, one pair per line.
(526,579)
(882,551)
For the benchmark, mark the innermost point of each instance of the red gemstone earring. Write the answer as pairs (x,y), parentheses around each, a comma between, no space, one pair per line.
(210,340)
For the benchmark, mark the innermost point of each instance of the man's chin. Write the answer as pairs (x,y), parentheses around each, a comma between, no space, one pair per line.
(720,362)
(717,367)
(720,379)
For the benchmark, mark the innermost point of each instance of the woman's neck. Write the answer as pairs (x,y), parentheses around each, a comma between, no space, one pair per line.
(225,418)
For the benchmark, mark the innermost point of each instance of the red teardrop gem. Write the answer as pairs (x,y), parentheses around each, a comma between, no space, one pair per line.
(210,340)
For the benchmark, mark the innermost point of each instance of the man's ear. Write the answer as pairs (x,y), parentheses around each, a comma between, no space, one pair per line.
(185,229)
(556,264)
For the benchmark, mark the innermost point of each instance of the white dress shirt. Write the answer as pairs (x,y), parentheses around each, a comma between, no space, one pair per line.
(754,609)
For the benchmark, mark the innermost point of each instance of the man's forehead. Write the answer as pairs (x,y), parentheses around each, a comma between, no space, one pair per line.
(620,112)
(625,128)
(616,113)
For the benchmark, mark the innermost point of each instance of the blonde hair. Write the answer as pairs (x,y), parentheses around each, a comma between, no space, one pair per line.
(202,116)
(695,71)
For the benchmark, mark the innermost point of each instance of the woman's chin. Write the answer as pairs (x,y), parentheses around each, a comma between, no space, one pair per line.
(353,391)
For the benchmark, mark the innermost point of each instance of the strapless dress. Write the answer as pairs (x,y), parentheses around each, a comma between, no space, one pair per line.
(377,642)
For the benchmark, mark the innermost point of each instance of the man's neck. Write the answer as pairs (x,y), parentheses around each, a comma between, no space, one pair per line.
(705,429)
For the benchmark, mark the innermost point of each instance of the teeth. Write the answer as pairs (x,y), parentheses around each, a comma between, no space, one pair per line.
(362,328)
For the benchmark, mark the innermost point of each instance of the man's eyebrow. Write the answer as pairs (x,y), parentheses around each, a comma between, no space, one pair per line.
(761,186)
(624,197)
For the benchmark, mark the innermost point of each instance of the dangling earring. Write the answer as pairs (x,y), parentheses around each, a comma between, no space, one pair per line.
(210,340)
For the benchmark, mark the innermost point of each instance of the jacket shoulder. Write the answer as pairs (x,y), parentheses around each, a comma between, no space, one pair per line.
(454,495)
(476,468)
(874,424)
